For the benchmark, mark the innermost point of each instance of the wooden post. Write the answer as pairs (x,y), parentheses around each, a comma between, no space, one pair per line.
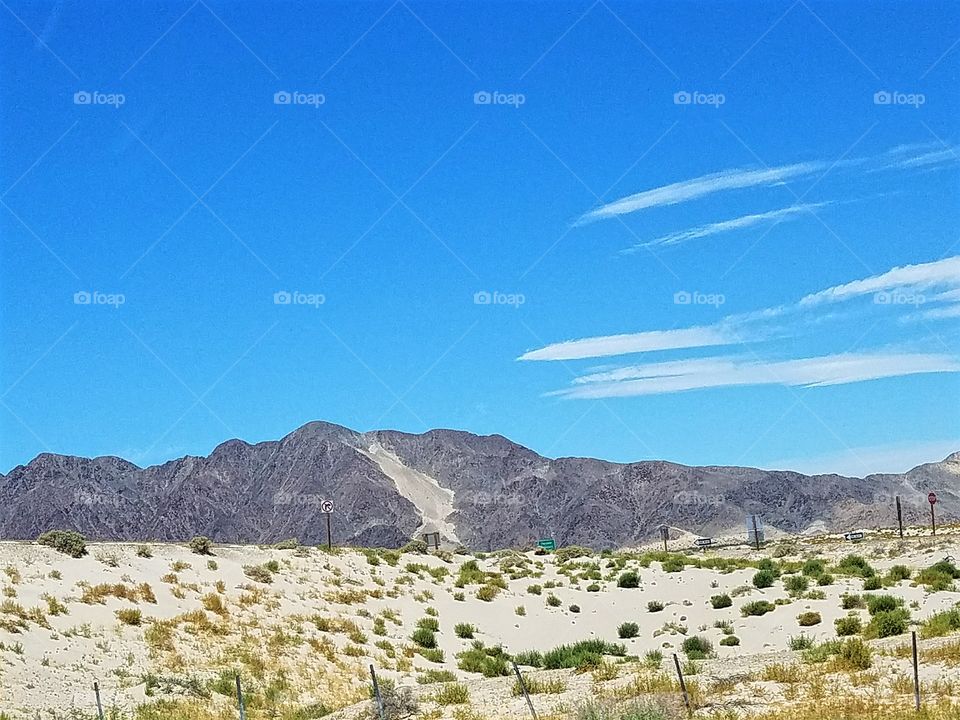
(899,517)
(526,695)
(376,693)
(96,692)
(916,672)
(243,710)
(683,685)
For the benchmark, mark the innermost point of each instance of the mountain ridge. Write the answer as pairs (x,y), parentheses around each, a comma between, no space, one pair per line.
(482,490)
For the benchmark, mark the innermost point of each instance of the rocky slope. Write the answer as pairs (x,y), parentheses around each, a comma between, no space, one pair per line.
(484,491)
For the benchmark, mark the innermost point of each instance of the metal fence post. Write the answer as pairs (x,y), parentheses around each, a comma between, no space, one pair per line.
(683,684)
(96,692)
(243,710)
(376,693)
(526,695)
(916,672)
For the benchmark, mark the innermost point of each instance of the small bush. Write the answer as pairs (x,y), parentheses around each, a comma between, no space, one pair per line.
(825,579)
(583,654)
(129,616)
(428,677)
(764,579)
(721,601)
(66,541)
(855,565)
(852,602)
(730,641)
(628,579)
(628,630)
(872,583)
(849,625)
(882,603)
(535,589)
(808,619)
(800,642)
(272,565)
(593,587)
(430,623)
(757,608)
(898,573)
(814,567)
(654,606)
(574,608)
(144,551)
(553,600)
(796,584)
(698,648)
(452,694)
(424,637)
(887,623)
(258,573)
(201,545)
(464,630)
(854,655)
(941,623)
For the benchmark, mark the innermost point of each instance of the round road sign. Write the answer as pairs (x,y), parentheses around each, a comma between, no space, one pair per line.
(932,498)
(326,506)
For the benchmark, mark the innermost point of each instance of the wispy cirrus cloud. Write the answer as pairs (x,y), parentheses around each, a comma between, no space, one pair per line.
(702,186)
(739,223)
(907,278)
(685,375)
(610,345)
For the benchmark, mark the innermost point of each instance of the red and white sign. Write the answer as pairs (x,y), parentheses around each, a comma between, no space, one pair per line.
(932,498)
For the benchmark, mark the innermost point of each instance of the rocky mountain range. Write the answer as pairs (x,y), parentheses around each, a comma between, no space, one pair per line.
(485,492)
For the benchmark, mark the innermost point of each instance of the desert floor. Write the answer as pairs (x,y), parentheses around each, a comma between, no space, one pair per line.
(164,630)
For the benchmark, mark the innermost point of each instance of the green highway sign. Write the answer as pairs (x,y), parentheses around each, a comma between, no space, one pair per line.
(547,544)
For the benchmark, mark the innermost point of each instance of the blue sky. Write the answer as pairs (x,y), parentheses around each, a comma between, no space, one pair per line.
(709,233)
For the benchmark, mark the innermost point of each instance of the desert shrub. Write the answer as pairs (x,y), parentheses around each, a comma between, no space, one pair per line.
(852,602)
(825,579)
(428,677)
(571,552)
(430,623)
(272,565)
(586,653)
(756,608)
(539,686)
(672,564)
(941,623)
(730,641)
(796,584)
(535,589)
(628,630)
(593,587)
(807,619)
(553,600)
(854,655)
(698,648)
(764,579)
(654,606)
(612,710)
(849,625)
(855,565)
(939,576)
(490,662)
(487,592)
(464,630)
(129,616)
(258,573)
(201,545)
(882,603)
(533,658)
(872,583)
(288,544)
(721,601)
(628,579)
(451,694)
(432,654)
(398,703)
(66,541)
(144,551)
(418,547)
(424,637)
(814,567)
(574,608)
(887,623)
(800,642)
(898,573)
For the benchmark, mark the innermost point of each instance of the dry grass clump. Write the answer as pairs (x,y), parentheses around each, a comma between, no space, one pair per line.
(98,594)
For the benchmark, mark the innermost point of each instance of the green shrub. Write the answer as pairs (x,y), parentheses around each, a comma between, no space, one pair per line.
(431,654)
(430,623)
(129,616)
(451,694)
(428,677)
(66,541)
(814,567)
(628,579)
(882,603)
(852,602)
(628,630)
(872,583)
(201,545)
(757,608)
(258,573)
(144,551)
(721,601)
(855,565)
(533,658)
(796,584)
(849,625)
(574,608)
(593,587)
(535,589)
(854,655)
(808,619)
(553,601)
(898,573)
(698,648)
(730,641)
(825,579)
(939,576)
(654,606)
(586,653)
(764,579)
(272,565)
(800,642)
(464,630)
(887,623)
(490,662)
(424,637)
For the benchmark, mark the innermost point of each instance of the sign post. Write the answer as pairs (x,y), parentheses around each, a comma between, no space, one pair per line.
(899,517)
(432,539)
(547,544)
(326,507)
(664,535)
(932,499)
